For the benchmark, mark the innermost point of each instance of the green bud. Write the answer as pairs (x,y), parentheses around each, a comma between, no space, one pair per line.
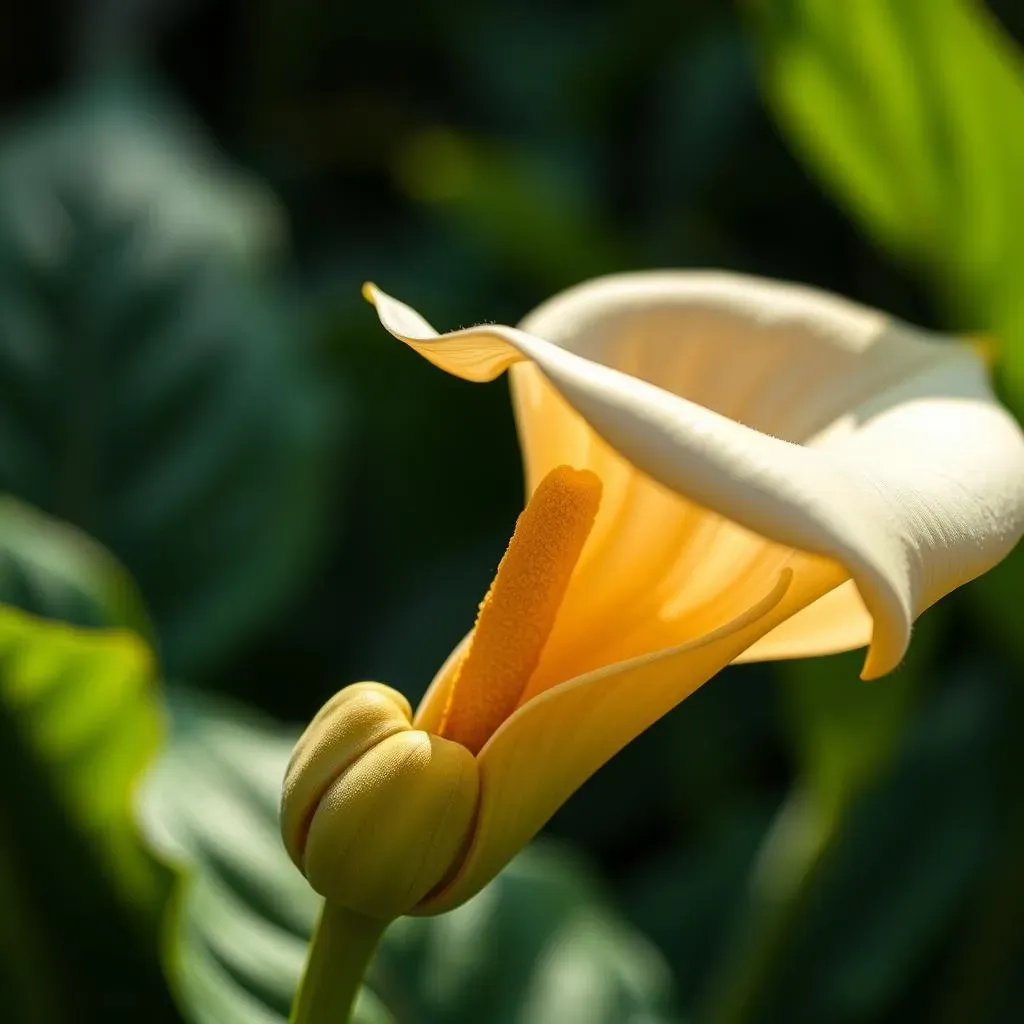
(377,814)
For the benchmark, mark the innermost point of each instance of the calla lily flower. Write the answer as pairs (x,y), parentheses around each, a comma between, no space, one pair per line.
(782,474)
(719,469)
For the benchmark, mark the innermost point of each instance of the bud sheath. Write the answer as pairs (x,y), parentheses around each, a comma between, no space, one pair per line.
(377,814)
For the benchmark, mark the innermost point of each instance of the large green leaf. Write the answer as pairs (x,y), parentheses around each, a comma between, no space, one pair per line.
(914,113)
(154,389)
(538,946)
(80,718)
(54,570)
(86,710)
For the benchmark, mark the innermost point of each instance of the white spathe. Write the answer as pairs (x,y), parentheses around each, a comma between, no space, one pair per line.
(757,414)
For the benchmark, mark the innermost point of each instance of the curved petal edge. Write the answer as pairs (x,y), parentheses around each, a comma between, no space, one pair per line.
(922,492)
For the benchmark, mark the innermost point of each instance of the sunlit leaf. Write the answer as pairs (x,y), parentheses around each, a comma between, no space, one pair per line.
(80,719)
(914,113)
(83,707)
(536,946)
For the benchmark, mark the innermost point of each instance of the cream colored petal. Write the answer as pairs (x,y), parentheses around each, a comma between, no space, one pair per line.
(556,741)
(466,354)
(870,443)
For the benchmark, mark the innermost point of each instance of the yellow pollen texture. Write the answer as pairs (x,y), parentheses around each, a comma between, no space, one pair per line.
(518,613)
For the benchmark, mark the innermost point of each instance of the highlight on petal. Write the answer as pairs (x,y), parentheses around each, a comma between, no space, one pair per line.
(738,420)
(463,353)
(557,740)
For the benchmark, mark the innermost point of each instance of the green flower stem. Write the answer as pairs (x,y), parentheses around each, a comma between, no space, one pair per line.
(342,946)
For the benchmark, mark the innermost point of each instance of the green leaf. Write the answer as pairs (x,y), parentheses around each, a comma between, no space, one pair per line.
(80,718)
(154,388)
(913,114)
(537,945)
(53,570)
(84,708)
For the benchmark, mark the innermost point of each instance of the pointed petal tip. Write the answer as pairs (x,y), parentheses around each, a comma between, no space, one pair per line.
(477,354)
(887,649)
(871,670)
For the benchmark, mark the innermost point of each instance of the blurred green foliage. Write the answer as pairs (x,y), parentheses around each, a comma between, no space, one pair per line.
(154,393)
(914,114)
(216,468)
(56,571)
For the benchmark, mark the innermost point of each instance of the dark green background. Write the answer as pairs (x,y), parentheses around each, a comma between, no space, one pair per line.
(192,378)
